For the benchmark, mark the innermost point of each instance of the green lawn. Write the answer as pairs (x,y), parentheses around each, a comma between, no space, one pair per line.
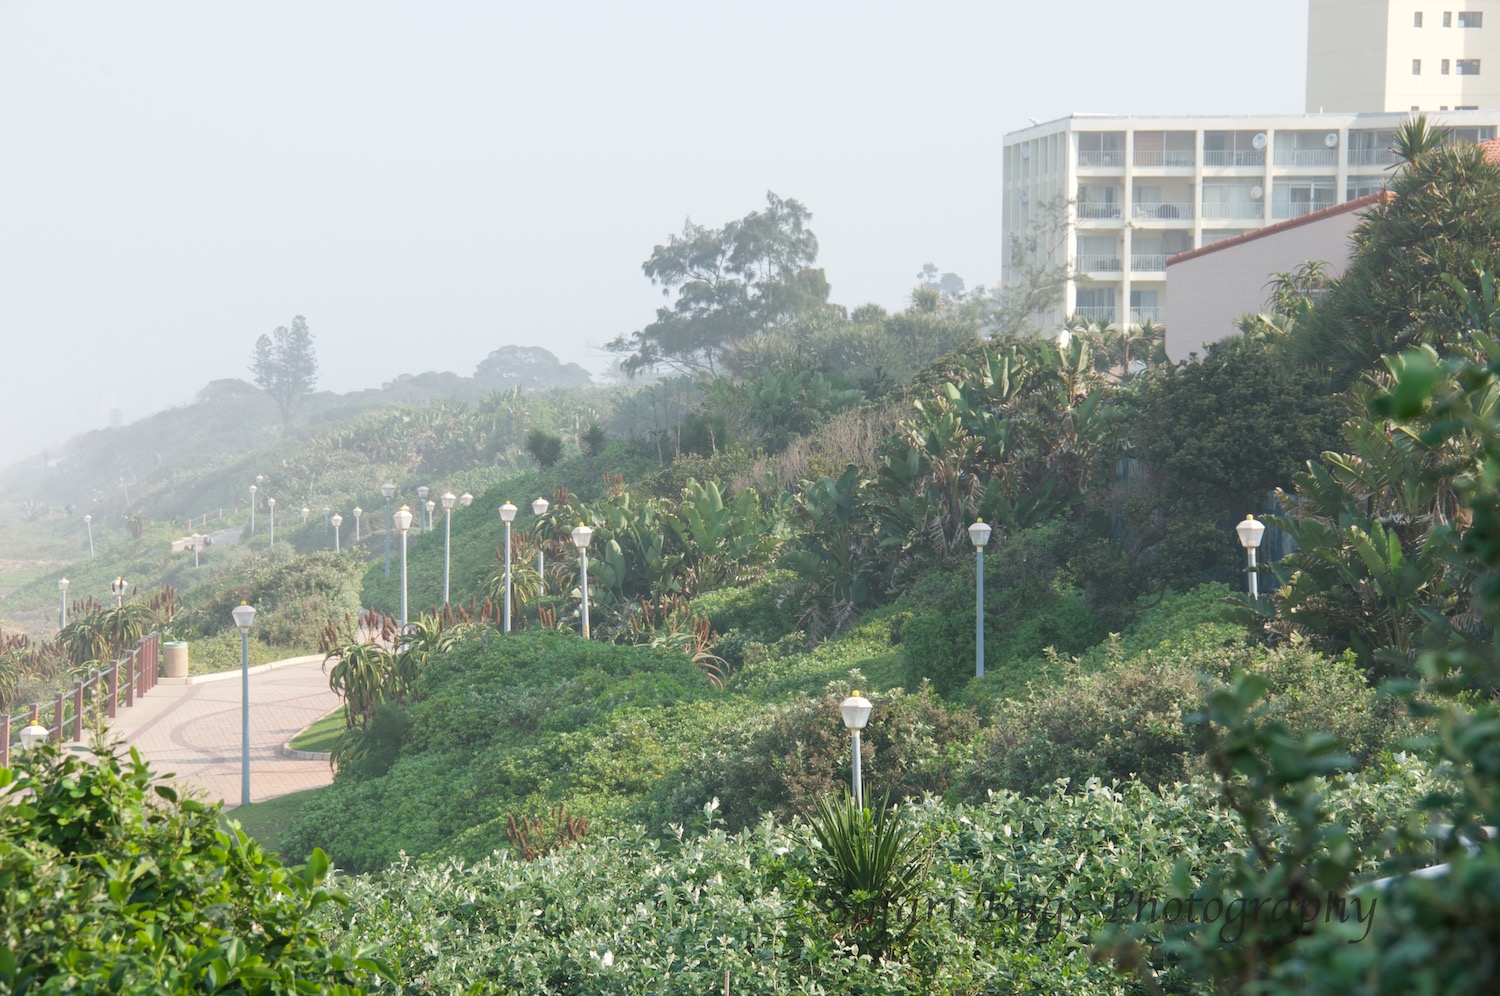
(321,736)
(266,820)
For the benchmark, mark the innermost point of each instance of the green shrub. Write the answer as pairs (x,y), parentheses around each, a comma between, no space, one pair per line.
(113,883)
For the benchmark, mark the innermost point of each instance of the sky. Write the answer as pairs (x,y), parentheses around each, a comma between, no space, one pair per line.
(428,182)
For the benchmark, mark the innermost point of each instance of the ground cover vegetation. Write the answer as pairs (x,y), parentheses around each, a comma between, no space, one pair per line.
(657,809)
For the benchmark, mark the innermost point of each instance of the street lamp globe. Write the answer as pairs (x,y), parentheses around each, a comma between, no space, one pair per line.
(539,507)
(979,534)
(856,712)
(449,499)
(1250,532)
(403,518)
(387,491)
(32,735)
(581,536)
(465,500)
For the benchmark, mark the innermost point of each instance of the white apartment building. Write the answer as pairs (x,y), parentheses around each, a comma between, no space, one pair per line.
(1403,55)
(1128,192)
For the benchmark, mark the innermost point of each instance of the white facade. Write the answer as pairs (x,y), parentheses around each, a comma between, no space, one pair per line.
(1129,192)
(1213,286)
(1403,55)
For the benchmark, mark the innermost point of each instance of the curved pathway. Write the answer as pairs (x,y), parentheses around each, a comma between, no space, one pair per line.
(191,729)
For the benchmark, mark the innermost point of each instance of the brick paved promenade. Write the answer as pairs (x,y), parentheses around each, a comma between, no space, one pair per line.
(193,730)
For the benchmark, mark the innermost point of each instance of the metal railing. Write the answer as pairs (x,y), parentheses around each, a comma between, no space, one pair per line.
(1148,261)
(1169,157)
(1234,157)
(1233,209)
(1162,210)
(1307,157)
(1297,209)
(119,684)
(1095,157)
(1098,209)
(1095,312)
(1373,157)
(1099,264)
(1140,315)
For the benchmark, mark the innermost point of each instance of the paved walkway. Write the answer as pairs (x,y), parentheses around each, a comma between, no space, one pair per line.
(193,731)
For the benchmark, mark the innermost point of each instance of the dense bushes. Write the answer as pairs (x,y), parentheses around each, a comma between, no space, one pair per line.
(294,598)
(113,884)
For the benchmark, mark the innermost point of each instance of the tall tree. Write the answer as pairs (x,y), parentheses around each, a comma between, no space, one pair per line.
(285,366)
(731,284)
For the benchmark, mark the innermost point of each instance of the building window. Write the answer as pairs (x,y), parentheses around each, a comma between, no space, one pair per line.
(1416,19)
(1447,19)
(1467,67)
(1444,69)
(1471,19)
(1416,67)
(1466,107)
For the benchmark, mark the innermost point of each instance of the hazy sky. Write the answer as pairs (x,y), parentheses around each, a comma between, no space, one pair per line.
(427,182)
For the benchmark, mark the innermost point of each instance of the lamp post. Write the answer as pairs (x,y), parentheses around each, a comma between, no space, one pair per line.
(507,516)
(422,492)
(449,500)
(856,711)
(118,586)
(357,513)
(197,542)
(62,617)
(88,520)
(539,509)
(979,535)
(431,506)
(388,490)
(253,489)
(465,500)
(271,503)
(581,536)
(403,523)
(1250,531)
(337,520)
(326,524)
(305,513)
(244,617)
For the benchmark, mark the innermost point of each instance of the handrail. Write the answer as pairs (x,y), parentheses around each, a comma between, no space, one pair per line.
(123,680)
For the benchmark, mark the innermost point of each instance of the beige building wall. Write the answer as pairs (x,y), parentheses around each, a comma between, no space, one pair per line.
(1403,55)
(1213,287)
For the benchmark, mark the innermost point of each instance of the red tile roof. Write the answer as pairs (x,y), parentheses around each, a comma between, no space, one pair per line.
(1491,150)
(1281,226)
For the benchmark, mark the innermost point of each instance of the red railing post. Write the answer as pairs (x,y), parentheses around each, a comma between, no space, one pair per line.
(130,681)
(77,710)
(4,740)
(57,719)
(113,706)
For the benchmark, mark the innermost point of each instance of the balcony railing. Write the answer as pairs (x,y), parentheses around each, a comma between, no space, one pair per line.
(1099,264)
(1233,210)
(1139,315)
(1373,157)
(1096,157)
(1095,312)
(1168,157)
(1162,210)
(1234,157)
(1148,261)
(1297,209)
(1307,157)
(1098,209)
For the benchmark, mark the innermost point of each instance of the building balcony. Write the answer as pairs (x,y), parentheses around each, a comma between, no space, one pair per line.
(1095,313)
(1140,315)
(1236,210)
(1148,261)
(1095,157)
(1162,211)
(1373,157)
(1307,157)
(1234,157)
(1098,264)
(1167,158)
(1297,209)
(1097,211)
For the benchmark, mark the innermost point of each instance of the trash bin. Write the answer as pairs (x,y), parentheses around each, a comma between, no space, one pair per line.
(174,660)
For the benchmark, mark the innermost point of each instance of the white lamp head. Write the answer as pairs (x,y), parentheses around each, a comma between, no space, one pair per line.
(253,489)
(88,518)
(358,511)
(62,585)
(581,536)
(118,586)
(979,534)
(326,510)
(403,518)
(271,502)
(422,492)
(465,500)
(244,616)
(507,512)
(387,491)
(32,735)
(449,499)
(337,520)
(539,507)
(430,506)
(1250,531)
(306,512)
(856,710)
